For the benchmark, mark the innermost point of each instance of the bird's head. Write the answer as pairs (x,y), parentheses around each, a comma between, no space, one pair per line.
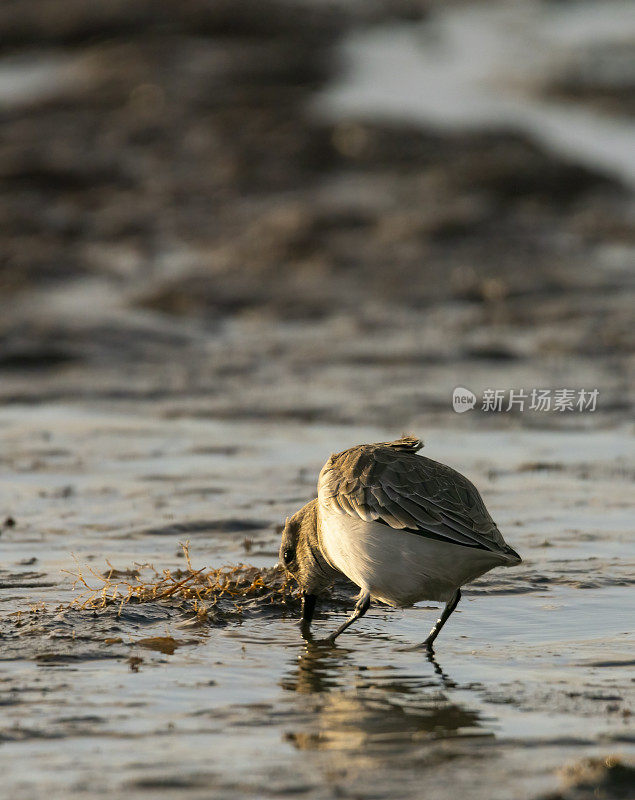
(300,553)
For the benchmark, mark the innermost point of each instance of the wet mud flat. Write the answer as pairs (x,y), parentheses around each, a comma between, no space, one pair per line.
(533,676)
(209,287)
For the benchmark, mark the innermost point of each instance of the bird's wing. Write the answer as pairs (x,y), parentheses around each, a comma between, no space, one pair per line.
(388,483)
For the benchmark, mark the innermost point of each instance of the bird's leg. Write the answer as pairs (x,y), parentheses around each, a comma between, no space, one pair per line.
(308,609)
(449,608)
(361,607)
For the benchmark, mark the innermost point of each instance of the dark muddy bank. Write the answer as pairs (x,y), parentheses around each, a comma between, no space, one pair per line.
(180,226)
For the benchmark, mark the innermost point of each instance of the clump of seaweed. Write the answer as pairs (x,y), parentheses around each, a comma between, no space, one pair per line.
(197,590)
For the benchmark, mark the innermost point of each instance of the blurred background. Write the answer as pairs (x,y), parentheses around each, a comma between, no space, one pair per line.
(317,211)
(237,235)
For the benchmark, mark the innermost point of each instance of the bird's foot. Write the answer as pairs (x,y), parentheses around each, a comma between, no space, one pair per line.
(423,647)
(329,641)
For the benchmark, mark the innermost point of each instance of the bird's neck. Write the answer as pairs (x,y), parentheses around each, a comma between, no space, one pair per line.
(310,550)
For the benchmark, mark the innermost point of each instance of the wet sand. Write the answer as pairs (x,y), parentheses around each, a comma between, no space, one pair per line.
(217,274)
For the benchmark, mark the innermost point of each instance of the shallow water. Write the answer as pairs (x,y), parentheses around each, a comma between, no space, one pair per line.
(534,668)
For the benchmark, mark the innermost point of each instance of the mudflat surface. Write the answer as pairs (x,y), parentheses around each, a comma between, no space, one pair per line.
(534,670)
(227,257)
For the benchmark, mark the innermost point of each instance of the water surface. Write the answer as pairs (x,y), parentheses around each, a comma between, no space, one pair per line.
(534,669)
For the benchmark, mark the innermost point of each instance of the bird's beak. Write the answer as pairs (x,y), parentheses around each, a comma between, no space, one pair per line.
(308,609)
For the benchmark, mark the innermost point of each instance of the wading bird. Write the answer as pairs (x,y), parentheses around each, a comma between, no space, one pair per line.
(400,526)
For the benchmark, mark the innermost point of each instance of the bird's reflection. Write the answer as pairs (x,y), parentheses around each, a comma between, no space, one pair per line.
(346,706)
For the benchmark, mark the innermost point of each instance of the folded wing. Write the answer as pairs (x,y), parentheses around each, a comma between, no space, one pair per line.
(388,483)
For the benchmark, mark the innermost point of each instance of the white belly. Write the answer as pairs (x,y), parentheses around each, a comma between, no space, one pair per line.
(399,567)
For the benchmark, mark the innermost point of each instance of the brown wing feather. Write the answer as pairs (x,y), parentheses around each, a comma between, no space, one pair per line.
(389,483)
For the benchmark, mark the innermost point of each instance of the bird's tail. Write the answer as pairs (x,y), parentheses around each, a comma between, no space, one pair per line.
(511,555)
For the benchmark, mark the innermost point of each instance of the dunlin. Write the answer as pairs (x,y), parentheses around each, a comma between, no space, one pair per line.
(400,526)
